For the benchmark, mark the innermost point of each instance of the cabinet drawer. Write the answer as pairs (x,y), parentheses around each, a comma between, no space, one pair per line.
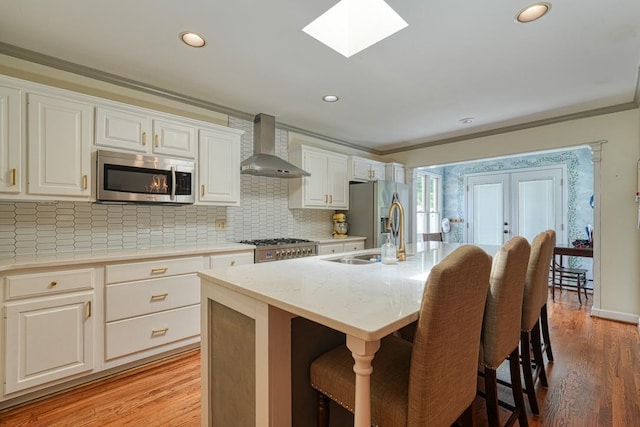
(48,282)
(229,260)
(153,330)
(353,246)
(152,269)
(150,296)
(330,248)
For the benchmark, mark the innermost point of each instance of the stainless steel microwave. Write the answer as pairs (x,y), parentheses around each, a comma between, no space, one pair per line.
(123,177)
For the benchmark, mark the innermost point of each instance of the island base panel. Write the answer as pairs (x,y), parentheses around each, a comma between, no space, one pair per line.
(232,372)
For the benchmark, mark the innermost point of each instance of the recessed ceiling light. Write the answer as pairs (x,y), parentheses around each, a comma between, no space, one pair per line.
(466,120)
(330,98)
(192,39)
(533,12)
(353,25)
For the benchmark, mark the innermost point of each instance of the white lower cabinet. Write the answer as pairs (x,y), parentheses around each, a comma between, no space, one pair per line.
(151,304)
(65,325)
(48,328)
(339,247)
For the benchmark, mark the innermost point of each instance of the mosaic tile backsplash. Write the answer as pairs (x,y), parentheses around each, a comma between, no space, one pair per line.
(32,227)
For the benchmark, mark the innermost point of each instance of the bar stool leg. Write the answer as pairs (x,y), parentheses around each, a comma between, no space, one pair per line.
(544,322)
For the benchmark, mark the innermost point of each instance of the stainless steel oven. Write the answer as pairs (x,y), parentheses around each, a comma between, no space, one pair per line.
(281,248)
(123,177)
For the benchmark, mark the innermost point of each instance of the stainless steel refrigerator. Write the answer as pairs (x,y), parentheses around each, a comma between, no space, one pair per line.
(368,214)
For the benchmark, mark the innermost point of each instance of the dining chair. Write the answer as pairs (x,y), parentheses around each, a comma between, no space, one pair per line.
(432,381)
(536,292)
(501,329)
(432,237)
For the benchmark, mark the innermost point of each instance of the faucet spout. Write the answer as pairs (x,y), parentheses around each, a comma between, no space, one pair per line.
(401,251)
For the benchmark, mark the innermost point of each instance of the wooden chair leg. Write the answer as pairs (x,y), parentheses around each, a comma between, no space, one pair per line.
(516,388)
(322,413)
(525,352)
(544,322)
(536,345)
(468,417)
(578,283)
(491,396)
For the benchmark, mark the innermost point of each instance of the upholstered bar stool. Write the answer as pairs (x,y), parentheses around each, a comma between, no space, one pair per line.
(536,292)
(433,381)
(544,320)
(501,328)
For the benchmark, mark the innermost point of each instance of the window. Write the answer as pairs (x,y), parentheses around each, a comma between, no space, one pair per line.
(428,203)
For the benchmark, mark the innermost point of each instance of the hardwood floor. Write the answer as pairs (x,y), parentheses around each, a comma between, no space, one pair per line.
(594,381)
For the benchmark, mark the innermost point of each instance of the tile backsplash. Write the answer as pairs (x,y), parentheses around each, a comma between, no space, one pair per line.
(34,227)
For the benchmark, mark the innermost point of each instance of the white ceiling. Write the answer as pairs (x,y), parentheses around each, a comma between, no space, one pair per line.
(456,59)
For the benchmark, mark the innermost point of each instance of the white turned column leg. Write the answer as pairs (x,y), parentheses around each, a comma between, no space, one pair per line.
(362,352)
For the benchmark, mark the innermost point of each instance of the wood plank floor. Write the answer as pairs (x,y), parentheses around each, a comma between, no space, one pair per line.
(594,381)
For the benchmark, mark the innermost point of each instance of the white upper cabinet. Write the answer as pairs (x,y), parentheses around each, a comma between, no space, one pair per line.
(219,166)
(10,140)
(395,172)
(327,187)
(123,129)
(361,169)
(137,130)
(174,138)
(59,142)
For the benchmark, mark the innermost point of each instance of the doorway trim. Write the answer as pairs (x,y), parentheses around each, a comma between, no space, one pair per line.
(596,157)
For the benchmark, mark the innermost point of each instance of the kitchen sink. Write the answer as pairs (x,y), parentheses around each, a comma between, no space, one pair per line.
(356,259)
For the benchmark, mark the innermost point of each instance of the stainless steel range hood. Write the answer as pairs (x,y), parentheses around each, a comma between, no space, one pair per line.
(264,162)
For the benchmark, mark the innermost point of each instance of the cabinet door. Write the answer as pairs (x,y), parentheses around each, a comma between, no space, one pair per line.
(377,171)
(219,168)
(59,142)
(48,339)
(337,182)
(10,140)
(315,186)
(395,172)
(360,169)
(122,129)
(174,139)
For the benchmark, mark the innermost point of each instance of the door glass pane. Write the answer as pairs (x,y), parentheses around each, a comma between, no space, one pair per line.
(536,210)
(487,214)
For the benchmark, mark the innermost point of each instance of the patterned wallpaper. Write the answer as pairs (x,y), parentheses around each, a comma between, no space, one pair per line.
(33,227)
(579,187)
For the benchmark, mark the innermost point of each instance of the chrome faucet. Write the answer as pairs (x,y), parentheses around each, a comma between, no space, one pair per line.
(401,251)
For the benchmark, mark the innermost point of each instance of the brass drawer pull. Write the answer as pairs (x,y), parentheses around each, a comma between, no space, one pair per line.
(160,270)
(88,309)
(156,332)
(157,140)
(13,176)
(202,190)
(144,138)
(53,283)
(85,182)
(233,262)
(159,296)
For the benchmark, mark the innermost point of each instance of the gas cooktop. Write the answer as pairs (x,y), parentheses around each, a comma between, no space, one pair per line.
(281,248)
(273,242)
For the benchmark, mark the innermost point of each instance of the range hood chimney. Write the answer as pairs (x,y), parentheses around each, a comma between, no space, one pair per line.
(263,162)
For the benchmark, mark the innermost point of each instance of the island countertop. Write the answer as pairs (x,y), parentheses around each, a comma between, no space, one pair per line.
(368,301)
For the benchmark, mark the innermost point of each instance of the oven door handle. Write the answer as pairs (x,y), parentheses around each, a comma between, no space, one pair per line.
(172,196)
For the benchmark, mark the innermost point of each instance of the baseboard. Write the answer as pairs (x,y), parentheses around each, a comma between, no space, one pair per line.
(616,315)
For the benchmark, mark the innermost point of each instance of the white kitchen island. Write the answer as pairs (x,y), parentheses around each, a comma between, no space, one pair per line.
(246,326)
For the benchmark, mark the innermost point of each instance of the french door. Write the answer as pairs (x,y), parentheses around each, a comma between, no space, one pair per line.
(515,203)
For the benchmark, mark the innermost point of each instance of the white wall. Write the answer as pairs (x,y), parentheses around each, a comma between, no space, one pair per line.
(619,237)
